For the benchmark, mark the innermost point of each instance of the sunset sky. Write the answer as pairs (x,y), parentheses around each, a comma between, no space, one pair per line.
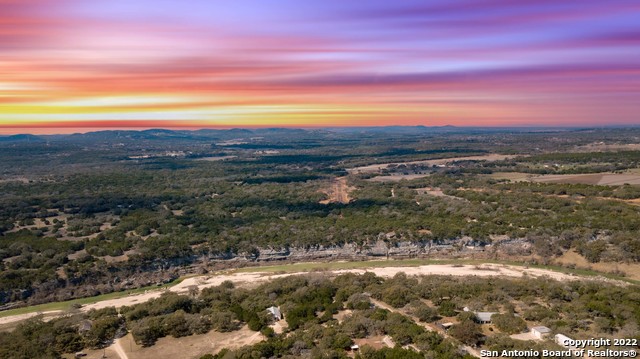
(67,65)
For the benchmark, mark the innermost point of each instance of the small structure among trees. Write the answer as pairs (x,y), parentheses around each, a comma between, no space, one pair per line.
(540,332)
(479,317)
(275,311)
(85,326)
(484,317)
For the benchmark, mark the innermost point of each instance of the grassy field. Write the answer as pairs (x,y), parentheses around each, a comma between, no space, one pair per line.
(192,346)
(604,178)
(511,176)
(632,270)
(608,179)
(47,307)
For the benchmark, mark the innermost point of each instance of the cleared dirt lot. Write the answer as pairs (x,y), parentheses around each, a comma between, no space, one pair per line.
(375,341)
(610,179)
(524,336)
(8,323)
(338,191)
(437,192)
(193,346)
(396,177)
(632,270)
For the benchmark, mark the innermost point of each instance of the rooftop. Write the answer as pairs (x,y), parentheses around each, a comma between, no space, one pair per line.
(484,316)
(541,329)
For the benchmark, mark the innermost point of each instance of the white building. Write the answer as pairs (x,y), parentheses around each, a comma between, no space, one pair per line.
(275,311)
(540,332)
(447,325)
(484,317)
(563,340)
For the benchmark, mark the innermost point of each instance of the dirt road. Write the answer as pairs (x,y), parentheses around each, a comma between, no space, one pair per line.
(19,317)
(338,191)
(253,278)
(117,347)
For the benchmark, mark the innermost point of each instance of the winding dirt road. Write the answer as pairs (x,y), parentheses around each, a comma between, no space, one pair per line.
(253,278)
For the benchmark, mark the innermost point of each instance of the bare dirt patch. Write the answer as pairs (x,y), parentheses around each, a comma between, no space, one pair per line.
(397,177)
(121,258)
(38,223)
(437,192)
(338,191)
(608,179)
(524,336)
(109,352)
(432,191)
(14,179)
(78,254)
(484,270)
(342,315)
(4,321)
(279,326)
(193,346)
(103,227)
(631,270)
(376,341)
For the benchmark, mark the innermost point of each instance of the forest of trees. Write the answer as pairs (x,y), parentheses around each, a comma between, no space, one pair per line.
(82,220)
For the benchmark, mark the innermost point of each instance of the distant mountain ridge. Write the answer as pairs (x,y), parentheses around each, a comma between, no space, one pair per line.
(159,134)
(22,138)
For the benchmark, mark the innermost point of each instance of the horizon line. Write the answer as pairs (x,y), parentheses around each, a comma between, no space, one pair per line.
(85,130)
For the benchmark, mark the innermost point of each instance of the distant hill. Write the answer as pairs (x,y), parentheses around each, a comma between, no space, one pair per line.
(125,136)
(205,135)
(400,129)
(22,138)
(160,135)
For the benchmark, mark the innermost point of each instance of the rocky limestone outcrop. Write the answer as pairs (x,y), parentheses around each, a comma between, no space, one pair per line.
(350,251)
(380,248)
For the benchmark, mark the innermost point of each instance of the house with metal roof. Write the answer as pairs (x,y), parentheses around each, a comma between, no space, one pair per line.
(484,317)
(275,311)
(540,331)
